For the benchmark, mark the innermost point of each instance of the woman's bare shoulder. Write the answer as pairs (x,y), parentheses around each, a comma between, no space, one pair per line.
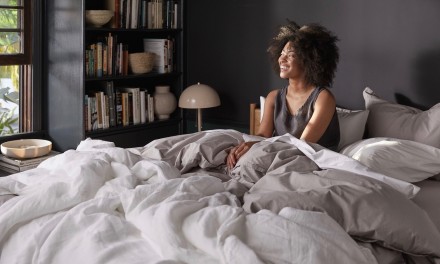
(272,94)
(326,97)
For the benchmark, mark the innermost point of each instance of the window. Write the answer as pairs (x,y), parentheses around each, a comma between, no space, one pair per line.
(17,61)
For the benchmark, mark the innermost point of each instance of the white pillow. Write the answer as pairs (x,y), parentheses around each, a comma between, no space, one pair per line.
(262,102)
(405,160)
(351,125)
(399,121)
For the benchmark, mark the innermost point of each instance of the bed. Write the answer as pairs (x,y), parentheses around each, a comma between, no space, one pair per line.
(174,201)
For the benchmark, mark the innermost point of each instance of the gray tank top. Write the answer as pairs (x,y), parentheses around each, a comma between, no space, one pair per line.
(295,124)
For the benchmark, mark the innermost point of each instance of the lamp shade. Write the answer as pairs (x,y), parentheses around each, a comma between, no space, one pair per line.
(199,96)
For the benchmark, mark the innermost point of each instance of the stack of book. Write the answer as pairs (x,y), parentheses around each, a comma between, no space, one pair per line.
(154,14)
(14,165)
(117,106)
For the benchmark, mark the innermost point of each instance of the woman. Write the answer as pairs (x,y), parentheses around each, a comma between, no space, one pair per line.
(307,57)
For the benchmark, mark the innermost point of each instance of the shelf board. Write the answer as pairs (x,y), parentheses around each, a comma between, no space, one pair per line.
(130,128)
(134,30)
(134,76)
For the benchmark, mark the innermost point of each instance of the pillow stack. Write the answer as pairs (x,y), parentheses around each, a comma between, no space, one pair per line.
(403,122)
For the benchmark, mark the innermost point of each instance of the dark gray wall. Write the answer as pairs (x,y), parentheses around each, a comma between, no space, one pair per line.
(392,46)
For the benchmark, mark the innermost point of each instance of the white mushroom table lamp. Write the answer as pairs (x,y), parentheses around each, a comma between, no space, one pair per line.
(199,96)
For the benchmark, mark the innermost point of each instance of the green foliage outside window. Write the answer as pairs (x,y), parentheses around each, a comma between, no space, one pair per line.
(9,43)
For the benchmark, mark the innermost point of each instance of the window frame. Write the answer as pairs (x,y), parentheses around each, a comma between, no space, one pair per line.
(25,57)
(31,72)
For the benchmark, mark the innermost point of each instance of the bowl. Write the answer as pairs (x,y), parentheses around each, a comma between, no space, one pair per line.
(98,18)
(141,62)
(26,148)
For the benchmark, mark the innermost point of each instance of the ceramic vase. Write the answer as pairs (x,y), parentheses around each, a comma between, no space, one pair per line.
(164,102)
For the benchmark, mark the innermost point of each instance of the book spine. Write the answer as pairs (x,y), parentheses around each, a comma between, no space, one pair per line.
(142,107)
(19,168)
(125,109)
(169,14)
(8,170)
(118,96)
(175,13)
(110,54)
(150,108)
(125,60)
(106,112)
(99,59)
(94,113)
(111,103)
(98,107)
(104,59)
(86,112)
(117,18)
(144,14)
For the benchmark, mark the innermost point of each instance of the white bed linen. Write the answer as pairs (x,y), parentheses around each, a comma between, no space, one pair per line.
(88,207)
(103,204)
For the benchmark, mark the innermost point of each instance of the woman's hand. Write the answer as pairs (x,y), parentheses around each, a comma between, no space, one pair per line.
(237,152)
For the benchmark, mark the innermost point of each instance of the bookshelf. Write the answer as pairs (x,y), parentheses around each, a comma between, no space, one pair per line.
(69,79)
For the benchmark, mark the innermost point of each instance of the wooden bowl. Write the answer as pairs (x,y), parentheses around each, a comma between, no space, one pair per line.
(141,62)
(98,18)
(26,148)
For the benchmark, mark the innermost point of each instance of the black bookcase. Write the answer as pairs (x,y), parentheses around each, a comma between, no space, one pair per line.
(66,82)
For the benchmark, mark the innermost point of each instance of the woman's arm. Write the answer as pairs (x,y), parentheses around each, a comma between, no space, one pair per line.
(265,130)
(325,106)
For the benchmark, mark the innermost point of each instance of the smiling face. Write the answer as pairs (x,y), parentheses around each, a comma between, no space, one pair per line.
(289,67)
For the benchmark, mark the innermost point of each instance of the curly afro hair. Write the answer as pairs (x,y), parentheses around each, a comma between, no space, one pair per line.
(315,51)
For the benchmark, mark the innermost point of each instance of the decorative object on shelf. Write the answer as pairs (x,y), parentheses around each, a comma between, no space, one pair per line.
(98,18)
(164,102)
(199,96)
(26,148)
(141,62)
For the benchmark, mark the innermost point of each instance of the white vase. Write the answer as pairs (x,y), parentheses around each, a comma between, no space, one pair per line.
(164,102)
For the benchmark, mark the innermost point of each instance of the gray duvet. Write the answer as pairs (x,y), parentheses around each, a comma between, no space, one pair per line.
(375,210)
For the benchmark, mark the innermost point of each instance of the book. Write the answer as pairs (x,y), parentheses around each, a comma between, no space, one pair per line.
(99,64)
(118,106)
(135,104)
(150,108)
(87,123)
(134,14)
(93,113)
(113,5)
(26,162)
(162,48)
(110,92)
(125,109)
(143,107)
(99,96)
(12,168)
(8,170)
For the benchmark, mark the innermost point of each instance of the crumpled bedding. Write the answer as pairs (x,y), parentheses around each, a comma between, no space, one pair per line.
(174,201)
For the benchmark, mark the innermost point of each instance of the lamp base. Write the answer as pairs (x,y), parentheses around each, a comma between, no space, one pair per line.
(199,119)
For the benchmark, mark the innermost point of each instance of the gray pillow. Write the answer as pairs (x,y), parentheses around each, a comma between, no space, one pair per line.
(399,121)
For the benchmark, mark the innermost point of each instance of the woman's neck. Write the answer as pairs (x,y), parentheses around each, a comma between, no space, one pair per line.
(299,87)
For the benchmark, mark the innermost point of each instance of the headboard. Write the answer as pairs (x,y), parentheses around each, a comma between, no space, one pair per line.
(254,118)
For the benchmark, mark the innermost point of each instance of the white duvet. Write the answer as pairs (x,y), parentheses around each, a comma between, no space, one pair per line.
(103,204)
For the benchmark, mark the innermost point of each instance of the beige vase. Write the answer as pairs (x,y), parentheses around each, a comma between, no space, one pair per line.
(164,102)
